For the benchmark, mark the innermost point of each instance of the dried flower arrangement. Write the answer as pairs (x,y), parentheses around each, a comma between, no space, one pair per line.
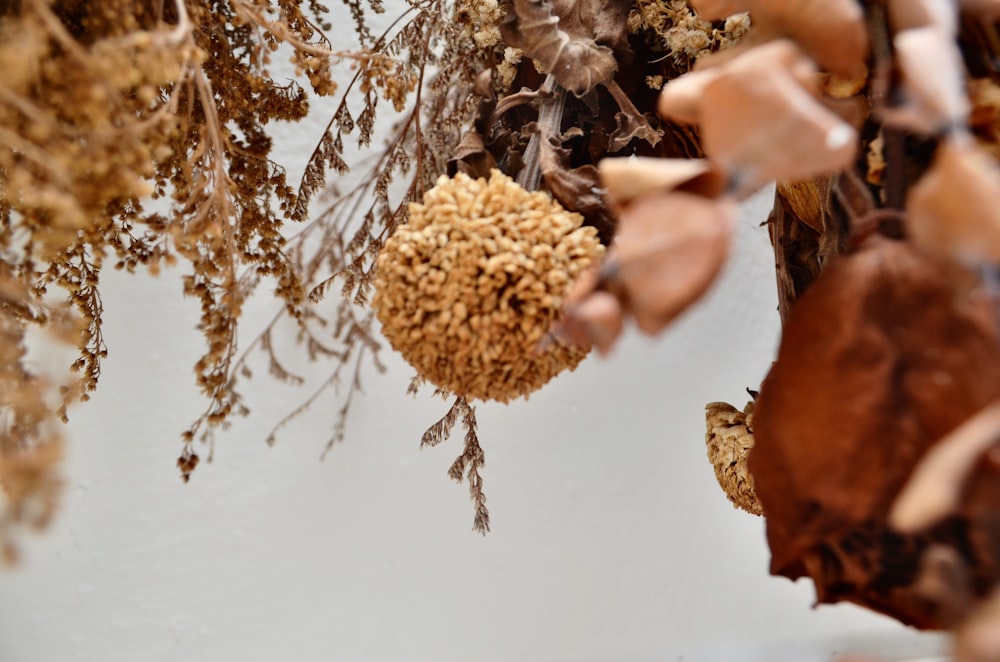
(497,238)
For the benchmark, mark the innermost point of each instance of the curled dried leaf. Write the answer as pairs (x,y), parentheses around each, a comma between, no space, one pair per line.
(953,209)
(564,48)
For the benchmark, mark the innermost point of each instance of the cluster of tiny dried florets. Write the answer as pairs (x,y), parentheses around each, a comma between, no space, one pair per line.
(468,289)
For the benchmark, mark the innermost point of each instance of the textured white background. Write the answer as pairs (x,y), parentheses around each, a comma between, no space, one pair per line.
(611,540)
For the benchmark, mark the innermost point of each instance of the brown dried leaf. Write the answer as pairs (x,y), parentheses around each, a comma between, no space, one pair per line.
(628,178)
(887,352)
(833,32)
(471,157)
(953,209)
(933,82)
(668,251)
(761,124)
(560,38)
(595,320)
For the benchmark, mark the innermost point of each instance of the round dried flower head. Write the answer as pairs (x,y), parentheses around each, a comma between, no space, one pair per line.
(468,289)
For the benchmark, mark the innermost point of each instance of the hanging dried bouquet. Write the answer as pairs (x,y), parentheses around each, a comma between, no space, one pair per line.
(558,168)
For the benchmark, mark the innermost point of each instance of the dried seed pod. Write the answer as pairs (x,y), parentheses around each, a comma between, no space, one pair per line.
(954,209)
(887,351)
(628,178)
(729,438)
(668,251)
(467,289)
(933,82)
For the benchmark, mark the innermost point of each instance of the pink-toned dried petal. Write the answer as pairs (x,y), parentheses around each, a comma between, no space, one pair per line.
(954,209)
(833,32)
(764,126)
(628,178)
(585,283)
(668,251)
(714,10)
(936,485)
(933,81)
(909,14)
(682,99)
(597,321)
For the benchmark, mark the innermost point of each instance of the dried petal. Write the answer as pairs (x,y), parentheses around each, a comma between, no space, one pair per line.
(668,251)
(763,125)
(626,179)
(682,98)
(596,320)
(833,32)
(937,484)
(933,81)
(954,209)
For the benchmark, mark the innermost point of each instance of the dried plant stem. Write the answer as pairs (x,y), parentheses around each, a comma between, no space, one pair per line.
(550,112)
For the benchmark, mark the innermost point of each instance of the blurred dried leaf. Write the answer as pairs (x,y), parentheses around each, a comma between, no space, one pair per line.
(936,485)
(887,352)
(668,251)
(762,125)
(953,209)
(932,82)
(628,178)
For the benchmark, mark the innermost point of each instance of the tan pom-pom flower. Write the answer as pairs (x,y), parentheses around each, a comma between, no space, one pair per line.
(469,288)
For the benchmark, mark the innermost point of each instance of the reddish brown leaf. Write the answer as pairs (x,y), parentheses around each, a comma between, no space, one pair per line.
(888,351)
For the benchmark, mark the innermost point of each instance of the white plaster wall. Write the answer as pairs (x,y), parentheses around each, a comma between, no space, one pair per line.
(611,540)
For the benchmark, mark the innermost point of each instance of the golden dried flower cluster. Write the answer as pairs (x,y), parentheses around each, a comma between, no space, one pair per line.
(469,288)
